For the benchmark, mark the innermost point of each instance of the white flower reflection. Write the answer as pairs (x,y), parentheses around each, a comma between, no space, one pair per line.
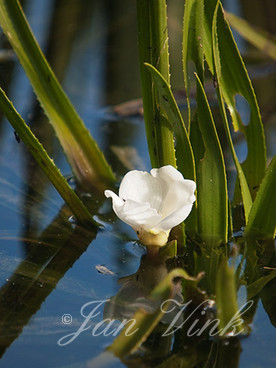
(153,203)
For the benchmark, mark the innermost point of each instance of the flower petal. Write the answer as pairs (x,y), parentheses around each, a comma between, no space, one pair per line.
(167,173)
(174,219)
(135,214)
(177,191)
(141,187)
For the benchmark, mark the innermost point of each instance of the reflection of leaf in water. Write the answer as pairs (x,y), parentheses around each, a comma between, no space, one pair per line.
(256,287)
(35,277)
(7,264)
(129,157)
(156,287)
(135,291)
(11,196)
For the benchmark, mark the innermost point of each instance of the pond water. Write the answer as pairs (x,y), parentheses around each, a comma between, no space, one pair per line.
(52,273)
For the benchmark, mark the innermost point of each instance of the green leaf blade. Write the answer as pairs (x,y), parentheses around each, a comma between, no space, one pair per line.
(184,153)
(233,80)
(153,49)
(86,159)
(192,43)
(47,165)
(183,150)
(211,178)
(262,219)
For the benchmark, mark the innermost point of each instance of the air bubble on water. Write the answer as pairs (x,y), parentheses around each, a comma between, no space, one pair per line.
(86,195)
(72,220)
(71,181)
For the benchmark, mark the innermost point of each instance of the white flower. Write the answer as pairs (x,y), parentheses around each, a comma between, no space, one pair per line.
(153,203)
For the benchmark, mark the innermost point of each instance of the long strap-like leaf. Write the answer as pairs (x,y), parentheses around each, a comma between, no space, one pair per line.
(262,218)
(44,161)
(153,49)
(87,161)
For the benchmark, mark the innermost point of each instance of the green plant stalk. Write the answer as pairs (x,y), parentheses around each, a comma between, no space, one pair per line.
(153,49)
(192,44)
(84,156)
(47,165)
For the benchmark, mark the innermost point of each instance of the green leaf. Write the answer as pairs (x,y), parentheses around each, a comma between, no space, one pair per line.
(268,297)
(144,322)
(211,178)
(184,153)
(183,150)
(192,43)
(47,165)
(245,192)
(226,299)
(209,8)
(233,79)
(257,286)
(153,49)
(87,161)
(255,35)
(262,218)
